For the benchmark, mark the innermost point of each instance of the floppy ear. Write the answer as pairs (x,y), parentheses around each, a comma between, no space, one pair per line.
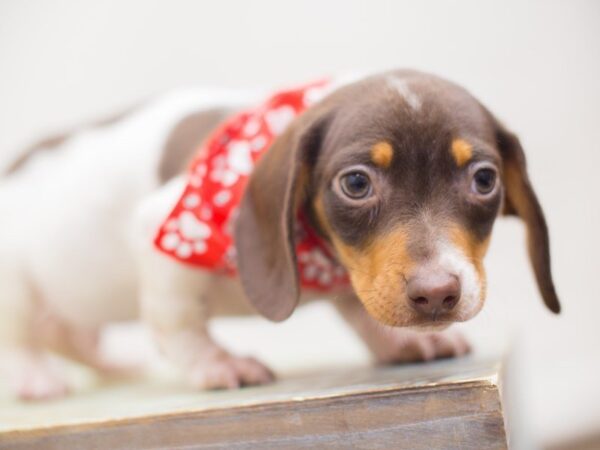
(520,200)
(264,232)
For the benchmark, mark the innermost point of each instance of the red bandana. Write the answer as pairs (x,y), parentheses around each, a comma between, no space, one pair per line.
(198,231)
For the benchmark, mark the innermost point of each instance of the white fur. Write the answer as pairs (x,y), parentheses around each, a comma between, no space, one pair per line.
(67,214)
(453,260)
(449,258)
(71,228)
(403,88)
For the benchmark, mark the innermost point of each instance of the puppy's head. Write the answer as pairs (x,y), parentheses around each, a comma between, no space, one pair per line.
(403,174)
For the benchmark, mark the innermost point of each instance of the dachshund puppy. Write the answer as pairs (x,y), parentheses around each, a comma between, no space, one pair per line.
(383,190)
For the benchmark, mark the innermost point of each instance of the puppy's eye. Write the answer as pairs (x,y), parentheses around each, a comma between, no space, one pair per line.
(484,180)
(356,185)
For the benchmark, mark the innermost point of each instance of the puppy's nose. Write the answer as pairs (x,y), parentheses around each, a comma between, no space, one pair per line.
(434,294)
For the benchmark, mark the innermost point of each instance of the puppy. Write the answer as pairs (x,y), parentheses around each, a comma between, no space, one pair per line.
(398,177)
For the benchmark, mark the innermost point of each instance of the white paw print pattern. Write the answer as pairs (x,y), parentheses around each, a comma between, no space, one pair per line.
(318,267)
(237,162)
(220,173)
(186,235)
(191,201)
(239,157)
(279,118)
(258,143)
(252,127)
(252,131)
(221,198)
(198,175)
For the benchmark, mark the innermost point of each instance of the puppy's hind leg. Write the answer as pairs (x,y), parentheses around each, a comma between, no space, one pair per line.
(31,374)
(174,306)
(83,345)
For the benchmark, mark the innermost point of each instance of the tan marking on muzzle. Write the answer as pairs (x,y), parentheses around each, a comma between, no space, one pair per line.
(382,154)
(377,273)
(462,151)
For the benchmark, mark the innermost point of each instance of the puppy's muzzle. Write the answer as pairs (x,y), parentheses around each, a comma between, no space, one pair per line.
(434,294)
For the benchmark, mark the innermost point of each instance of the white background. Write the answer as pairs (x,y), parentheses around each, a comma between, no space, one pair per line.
(535,64)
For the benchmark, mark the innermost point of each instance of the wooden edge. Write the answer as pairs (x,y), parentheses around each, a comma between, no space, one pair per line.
(198,413)
(487,376)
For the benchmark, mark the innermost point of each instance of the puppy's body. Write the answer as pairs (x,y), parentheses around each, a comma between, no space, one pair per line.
(78,222)
(71,230)
(69,212)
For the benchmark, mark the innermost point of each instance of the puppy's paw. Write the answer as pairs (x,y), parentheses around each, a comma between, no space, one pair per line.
(229,372)
(40,385)
(396,345)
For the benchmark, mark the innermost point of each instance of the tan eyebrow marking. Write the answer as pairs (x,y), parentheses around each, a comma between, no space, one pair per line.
(381,154)
(462,151)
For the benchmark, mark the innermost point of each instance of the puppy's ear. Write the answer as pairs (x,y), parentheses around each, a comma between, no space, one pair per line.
(520,200)
(264,232)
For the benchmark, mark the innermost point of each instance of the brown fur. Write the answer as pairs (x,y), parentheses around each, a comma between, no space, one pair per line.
(187,135)
(522,201)
(421,180)
(264,233)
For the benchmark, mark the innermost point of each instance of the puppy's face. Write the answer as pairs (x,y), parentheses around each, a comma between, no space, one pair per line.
(404,175)
(407,195)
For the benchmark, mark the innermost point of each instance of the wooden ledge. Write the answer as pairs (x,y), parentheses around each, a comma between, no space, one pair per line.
(447,404)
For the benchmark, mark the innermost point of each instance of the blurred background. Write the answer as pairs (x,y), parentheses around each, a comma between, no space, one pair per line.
(535,64)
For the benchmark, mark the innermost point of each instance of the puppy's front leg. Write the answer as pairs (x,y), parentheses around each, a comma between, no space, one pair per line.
(174,307)
(173,303)
(397,345)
